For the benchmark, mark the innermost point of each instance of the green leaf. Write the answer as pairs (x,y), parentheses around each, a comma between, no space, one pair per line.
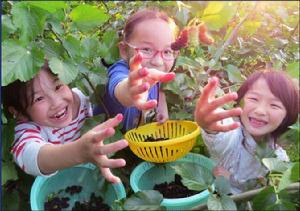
(8,172)
(285,180)
(110,40)
(282,205)
(217,14)
(87,17)
(144,200)
(90,47)
(194,177)
(275,165)
(19,62)
(187,62)
(295,172)
(265,197)
(263,151)
(30,20)
(234,74)
(7,26)
(50,6)
(222,185)
(72,45)
(293,69)
(220,203)
(250,27)
(66,71)
(52,48)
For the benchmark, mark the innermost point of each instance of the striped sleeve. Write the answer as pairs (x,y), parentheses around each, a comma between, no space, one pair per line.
(26,146)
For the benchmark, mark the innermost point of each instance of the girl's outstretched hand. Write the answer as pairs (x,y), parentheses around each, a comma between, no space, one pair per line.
(92,148)
(141,79)
(208,112)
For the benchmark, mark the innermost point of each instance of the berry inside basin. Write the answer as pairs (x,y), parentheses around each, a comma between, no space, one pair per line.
(86,176)
(146,175)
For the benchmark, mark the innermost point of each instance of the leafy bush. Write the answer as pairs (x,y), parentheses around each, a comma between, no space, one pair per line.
(80,38)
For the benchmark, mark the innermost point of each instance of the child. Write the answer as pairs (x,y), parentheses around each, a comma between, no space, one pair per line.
(134,82)
(49,118)
(269,103)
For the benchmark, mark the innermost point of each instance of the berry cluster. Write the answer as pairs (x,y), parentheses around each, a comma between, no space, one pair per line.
(192,35)
(174,189)
(73,189)
(57,203)
(95,203)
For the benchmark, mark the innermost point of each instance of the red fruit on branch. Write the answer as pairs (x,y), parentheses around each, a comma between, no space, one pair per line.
(203,35)
(181,41)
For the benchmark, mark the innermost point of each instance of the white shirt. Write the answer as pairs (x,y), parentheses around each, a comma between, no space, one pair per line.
(239,159)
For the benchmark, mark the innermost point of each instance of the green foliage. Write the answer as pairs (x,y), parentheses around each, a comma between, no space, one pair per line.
(144,200)
(194,177)
(76,36)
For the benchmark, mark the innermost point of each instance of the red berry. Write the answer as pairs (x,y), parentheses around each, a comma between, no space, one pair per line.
(181,41)
(203,35)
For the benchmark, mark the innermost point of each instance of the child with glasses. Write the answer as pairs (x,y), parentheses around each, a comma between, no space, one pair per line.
(133,87)
(49,117)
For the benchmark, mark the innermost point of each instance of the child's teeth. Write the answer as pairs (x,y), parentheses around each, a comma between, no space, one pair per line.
(60,113)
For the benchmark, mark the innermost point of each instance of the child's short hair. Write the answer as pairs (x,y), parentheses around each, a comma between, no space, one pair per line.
(16,94)
(284,88)
(142,15)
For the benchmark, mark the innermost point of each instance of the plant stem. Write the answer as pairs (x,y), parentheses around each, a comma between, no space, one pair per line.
(58,38)
(246,196)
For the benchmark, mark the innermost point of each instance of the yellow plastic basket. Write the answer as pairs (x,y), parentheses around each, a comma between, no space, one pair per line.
(181,137)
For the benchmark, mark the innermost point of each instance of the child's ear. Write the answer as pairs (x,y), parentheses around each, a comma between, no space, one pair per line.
(123,50)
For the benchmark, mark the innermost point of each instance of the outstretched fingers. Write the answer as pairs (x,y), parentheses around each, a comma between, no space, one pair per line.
(209,90)
(223,114)
(108,175)
(221,101)
(156,75)
(142,105)
(113,147)
(135,62)
(112,122)
(136,76)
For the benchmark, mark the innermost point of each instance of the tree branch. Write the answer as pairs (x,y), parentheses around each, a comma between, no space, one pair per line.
(246,196)
(58,38)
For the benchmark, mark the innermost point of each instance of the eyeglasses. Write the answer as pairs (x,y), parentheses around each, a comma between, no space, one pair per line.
(149,53)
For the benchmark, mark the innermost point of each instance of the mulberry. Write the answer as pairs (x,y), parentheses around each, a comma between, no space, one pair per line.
(203,36)
(181,41)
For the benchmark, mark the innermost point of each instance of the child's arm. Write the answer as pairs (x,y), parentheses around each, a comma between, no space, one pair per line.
(89,148)
(133,91)
(208,114)
(162,108)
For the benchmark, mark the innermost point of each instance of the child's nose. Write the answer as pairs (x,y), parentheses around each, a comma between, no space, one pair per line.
(157,59)
(261,109)
(55,99)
